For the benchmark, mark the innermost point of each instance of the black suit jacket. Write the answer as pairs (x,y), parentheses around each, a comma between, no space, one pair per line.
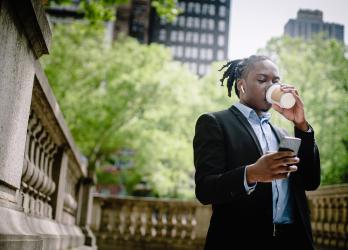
(224,143)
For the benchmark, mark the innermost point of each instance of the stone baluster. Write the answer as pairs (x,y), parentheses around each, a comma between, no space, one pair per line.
(164,211)
(342,227)
(193,223)
(146,222)
(126,221)
(172,223)
(154,221)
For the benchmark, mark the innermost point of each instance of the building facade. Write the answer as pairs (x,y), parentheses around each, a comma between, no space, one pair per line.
(199,36)
(309,23)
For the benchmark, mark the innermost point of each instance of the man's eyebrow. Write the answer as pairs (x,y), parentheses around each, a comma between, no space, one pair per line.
(265,75)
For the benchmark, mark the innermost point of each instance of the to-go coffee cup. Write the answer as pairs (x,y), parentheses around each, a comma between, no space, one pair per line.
(275,95)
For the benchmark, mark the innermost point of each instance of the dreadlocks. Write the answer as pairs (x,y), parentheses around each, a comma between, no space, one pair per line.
(238,69)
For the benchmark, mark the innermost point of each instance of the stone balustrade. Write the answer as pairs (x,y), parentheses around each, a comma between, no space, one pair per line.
(45,187)
(329,216)
(148,223)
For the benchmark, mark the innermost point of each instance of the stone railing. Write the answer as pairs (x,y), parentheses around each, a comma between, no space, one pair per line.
(45,188)
(146,223)
(329,216)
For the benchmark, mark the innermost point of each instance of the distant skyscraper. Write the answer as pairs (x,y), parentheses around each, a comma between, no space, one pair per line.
(199,36)
(309,23)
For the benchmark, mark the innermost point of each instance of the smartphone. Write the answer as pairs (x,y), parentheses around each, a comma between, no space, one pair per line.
(290,143)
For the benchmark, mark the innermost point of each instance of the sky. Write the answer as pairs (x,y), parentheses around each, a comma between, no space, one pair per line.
(254,22)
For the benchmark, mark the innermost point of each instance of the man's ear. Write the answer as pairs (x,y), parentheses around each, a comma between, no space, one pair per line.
(240,85)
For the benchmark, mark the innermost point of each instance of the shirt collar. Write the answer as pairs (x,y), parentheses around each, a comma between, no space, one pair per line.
(249,113)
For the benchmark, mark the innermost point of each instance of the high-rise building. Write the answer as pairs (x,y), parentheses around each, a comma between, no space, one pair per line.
(198,36)
(309,23)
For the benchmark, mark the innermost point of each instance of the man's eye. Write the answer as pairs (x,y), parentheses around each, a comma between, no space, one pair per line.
(261,81)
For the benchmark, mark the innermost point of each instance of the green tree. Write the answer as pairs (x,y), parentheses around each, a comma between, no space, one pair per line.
(318,68)
(96,10)
(127,95)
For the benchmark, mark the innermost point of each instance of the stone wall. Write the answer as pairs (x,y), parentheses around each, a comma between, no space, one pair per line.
(143,223)
(147,223)
(45,188)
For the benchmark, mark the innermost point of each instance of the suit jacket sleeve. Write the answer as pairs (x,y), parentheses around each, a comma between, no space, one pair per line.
(309,165)
(214,183)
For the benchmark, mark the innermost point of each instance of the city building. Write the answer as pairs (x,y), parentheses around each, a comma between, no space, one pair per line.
(309,23)
(198,36)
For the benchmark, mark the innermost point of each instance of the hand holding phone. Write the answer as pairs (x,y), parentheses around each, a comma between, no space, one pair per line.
(290,143)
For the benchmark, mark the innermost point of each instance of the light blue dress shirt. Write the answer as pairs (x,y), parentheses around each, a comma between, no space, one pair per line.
(282,198)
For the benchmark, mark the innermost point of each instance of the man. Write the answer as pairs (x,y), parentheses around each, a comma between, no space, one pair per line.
(257,194)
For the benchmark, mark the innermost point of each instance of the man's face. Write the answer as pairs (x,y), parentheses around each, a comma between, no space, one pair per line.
(261,75)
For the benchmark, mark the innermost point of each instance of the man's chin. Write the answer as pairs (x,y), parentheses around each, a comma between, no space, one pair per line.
(267,108)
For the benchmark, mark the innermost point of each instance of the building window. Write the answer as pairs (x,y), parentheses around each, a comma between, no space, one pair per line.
(194,53)
(173,49)
(220,55)
(163,21)
(197,8)
(222,26)
(190,7)
(181,36)
(210,39)
(203,23)
(188,52)
(188,37)
(212,10)
(221,40)
(179,51)
(182,21)
(211,24)
(222,11)
(173,36)
(204,9)
(162,35)
(202,54)
(189,23)
(195,37)
(209,55)
(203,38)
(196,22)
(182,6)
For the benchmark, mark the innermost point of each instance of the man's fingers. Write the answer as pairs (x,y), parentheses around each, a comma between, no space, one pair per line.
(286,161)
(285,169)
(282,154)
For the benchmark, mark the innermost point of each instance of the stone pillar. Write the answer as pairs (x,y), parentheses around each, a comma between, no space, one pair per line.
(85,208)
(16,83)
(24,37)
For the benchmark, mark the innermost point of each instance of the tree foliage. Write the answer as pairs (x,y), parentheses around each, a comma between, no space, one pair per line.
(103,10)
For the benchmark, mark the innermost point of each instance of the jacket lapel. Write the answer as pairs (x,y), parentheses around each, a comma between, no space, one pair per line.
(276,132)
(247,126)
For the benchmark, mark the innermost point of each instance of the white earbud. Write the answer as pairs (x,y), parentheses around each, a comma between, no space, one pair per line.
(242,89)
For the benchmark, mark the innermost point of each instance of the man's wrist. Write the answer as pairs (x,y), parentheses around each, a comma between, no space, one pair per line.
(250,178)
(303,126)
